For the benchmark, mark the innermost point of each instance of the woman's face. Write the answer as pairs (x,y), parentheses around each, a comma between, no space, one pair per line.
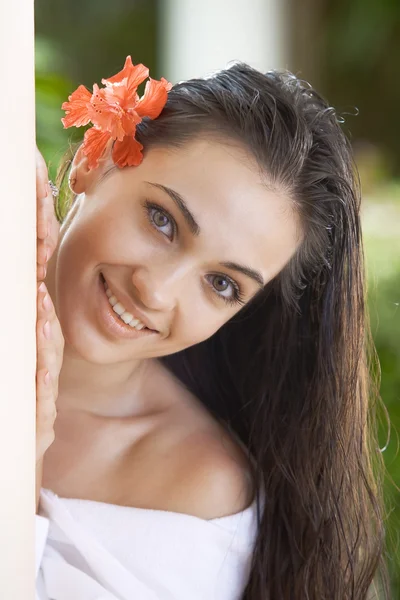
(187,237)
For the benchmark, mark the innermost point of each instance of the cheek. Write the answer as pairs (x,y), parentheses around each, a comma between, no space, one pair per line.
(198,321)
(126,238)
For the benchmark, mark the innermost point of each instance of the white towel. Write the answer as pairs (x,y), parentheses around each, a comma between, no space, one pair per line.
(90,550)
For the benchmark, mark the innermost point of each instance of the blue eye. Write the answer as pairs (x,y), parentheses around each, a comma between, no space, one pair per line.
(160,219)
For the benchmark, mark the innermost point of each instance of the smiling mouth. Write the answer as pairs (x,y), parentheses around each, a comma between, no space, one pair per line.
(123,315)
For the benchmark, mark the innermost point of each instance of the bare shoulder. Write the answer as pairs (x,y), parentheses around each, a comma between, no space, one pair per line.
(213,479)
(189,463)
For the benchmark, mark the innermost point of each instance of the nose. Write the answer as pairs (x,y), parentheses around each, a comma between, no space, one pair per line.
(159,287)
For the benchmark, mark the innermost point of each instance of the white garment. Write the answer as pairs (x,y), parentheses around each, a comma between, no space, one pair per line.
(88,550)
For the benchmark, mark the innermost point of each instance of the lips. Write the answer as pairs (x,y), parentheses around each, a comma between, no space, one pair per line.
(110,323)
(129,305)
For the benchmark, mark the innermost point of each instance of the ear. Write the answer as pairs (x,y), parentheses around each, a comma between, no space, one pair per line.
(81,178)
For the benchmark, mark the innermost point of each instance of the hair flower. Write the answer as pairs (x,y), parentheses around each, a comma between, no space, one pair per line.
(114,112)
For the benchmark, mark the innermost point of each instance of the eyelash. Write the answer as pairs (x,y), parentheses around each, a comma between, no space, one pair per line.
(237,297)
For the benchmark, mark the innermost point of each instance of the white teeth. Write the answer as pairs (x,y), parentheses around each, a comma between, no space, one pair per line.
(119,309)
(126,317)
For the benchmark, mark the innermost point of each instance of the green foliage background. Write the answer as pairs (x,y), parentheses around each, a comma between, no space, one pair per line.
(381,225)
(358,46)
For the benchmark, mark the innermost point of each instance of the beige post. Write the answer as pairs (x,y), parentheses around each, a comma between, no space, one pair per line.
(17,300)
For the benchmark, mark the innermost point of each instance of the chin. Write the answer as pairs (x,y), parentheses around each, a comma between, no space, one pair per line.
(82,342)
(83,349)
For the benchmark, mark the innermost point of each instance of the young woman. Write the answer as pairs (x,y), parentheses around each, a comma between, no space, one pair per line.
(207,346)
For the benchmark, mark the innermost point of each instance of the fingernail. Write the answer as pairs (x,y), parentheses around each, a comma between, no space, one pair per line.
(46,189)
(47,254)
(47,378)
(42,287)
(47,330)
(47,303)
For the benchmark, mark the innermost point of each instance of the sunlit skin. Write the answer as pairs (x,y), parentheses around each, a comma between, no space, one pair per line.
(169,274)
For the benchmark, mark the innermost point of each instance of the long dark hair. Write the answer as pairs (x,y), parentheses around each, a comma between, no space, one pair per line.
(291,374)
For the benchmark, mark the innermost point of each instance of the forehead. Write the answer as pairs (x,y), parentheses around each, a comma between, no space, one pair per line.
(241,219)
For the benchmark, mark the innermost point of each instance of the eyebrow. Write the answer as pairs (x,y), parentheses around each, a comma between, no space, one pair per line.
(252,273)
(182,206)
(195,229)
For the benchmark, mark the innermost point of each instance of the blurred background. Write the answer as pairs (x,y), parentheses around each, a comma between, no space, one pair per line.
(348,49)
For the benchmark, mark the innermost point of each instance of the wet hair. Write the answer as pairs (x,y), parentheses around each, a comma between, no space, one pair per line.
(293,374)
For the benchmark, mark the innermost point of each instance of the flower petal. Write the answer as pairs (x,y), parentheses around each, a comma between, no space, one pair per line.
(129,121)
(121,94)
(104,113)
(108,112)
(127,153)
(154,98)
(77,108)
(134,75)
(94,145)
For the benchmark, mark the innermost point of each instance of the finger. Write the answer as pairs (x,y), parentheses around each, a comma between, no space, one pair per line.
(46,413)
(46,312)
(41,272)
(54,231)
(48,228)
(46,358)
(43,252)
(45,213)
(45,348)
(41,175)
(45,201)
(42,226)
(45,306)
(49,344)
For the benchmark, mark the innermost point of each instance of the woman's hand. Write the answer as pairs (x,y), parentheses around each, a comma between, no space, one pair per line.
(49,358)
(47,225)
(49,337)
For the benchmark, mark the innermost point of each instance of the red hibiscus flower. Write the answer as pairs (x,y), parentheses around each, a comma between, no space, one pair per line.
(114,111)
